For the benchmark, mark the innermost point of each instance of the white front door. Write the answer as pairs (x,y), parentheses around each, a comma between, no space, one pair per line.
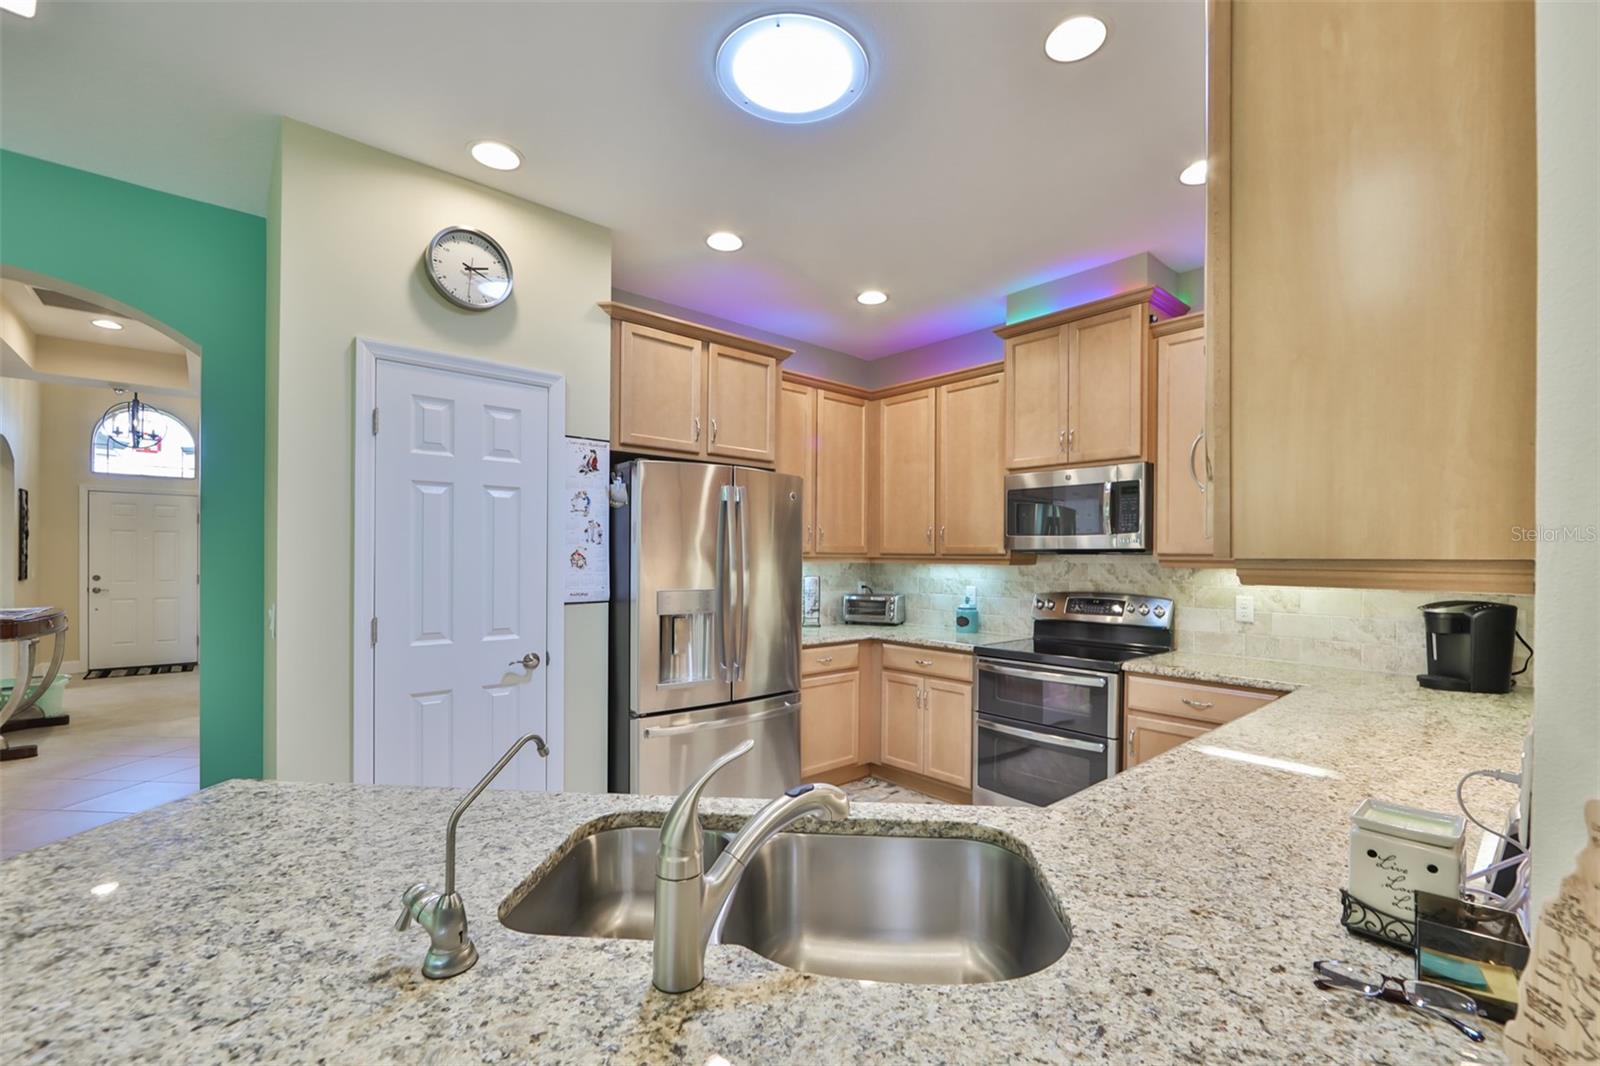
(144,579)
(460,581)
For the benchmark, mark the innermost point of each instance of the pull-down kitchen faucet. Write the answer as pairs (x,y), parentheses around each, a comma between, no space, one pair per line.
(689,901)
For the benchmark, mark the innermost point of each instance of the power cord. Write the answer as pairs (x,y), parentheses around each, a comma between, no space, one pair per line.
(1519,891)
(1526,662)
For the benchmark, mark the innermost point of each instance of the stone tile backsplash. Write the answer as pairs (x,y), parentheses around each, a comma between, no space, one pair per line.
(1358,629)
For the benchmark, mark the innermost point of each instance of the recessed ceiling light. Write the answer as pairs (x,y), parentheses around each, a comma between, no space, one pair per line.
(723,241)
(105,888)
(105,323)
(1194,173)
(872,298)
(792,68)
(25,8)
(1077,38)
(496,156)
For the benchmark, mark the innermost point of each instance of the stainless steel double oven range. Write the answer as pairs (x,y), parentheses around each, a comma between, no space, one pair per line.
(1048,718)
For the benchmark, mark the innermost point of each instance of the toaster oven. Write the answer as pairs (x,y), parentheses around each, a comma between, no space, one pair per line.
(873,608)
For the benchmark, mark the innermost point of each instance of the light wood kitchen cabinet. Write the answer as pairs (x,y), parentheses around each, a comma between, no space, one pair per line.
(741,405)
(682,389)
(1183,528)
(657,391)
(841,465)
(797,454)
(947,706)
(927,718)
(900,710)
(829,720)
(1107,367)
(1148,735)
(971,490)
(1161,713)
(1036,400)
(1080,383)
(1372,315)
(907,489)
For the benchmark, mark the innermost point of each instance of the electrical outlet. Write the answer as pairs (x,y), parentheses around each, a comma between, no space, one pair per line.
(1244,609)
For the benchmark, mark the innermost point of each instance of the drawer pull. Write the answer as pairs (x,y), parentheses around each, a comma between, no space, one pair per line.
(923,662)
(824,659)
(1199,705)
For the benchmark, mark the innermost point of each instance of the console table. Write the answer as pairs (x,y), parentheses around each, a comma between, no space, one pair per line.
(26,626)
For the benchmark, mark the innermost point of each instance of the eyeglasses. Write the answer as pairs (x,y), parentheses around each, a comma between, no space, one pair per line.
(1423,996)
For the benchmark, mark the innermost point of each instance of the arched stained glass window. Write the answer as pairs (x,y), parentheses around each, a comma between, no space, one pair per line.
(135,438)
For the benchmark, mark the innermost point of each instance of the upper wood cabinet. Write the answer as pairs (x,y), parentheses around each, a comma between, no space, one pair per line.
(1375,343)
(682,389)
(797,454)
(1182,523)
(906,465)
(971,445)
(1107,368)
(741,405)
(1080,383)
(656,390)
(1036,400)
(841,465)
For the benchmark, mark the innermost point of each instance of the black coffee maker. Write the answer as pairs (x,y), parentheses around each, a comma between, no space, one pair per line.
(1469,645)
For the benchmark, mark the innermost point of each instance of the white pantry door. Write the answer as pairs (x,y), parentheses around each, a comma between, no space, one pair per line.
(144,579)
(459,576)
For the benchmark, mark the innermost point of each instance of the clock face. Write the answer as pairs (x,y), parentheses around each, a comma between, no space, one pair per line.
(469,268)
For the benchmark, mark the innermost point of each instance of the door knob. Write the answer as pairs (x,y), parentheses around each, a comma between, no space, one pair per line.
(529,661)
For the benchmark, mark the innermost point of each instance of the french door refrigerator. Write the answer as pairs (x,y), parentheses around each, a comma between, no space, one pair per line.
(705,628)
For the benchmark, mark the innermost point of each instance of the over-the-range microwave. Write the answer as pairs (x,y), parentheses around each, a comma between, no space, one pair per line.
(1080,509)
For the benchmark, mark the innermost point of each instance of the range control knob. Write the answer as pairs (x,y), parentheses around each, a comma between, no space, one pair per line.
(1049,605)
(1160,611)
(1144,608)
(1038,604)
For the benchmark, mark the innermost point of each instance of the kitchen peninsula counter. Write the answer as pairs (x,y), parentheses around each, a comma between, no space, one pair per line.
(254,921)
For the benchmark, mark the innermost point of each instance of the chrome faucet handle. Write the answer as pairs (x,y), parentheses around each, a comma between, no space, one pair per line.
(443,916)
(681,855)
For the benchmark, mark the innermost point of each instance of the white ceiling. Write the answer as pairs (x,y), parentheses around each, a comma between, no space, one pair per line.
(67,324)
(972,166)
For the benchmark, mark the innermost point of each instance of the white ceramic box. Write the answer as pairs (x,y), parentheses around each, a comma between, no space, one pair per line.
(1397,850)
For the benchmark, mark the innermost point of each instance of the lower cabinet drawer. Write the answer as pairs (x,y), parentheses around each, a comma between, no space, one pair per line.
(829,659)
(955,665)
(1215,704)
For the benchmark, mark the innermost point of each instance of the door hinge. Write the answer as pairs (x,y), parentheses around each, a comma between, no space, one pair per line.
(374,421)
(374,631)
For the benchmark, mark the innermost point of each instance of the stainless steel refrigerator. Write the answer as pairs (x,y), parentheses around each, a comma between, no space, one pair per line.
(705,628)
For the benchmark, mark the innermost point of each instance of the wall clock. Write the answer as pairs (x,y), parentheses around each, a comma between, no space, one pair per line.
(468,267)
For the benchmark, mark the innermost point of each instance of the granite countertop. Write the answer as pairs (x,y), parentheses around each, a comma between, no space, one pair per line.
(253,921)
(919,636)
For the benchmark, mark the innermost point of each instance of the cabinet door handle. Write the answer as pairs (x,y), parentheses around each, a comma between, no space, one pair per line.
(820,537)
(713,429)
(1072,435)
(1199,705)
(697,429)
(923,662)
(1061,440)
(824,659)
(1198,437)
(928,536)
(943,539)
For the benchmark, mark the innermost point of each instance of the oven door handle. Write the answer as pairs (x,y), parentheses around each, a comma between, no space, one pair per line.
(1041,738)
(1052,676)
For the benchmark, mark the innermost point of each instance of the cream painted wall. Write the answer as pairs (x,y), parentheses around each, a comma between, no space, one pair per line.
(347,225)
(19,428)
(69,414)
(1566,717)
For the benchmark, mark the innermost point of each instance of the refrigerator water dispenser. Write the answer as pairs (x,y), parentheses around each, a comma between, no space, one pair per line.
(686,632)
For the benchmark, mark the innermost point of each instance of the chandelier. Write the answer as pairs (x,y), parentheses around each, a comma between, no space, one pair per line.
(132,425)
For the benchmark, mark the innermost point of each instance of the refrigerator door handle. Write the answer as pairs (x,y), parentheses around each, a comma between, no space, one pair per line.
(652,731)
(744,582)
(721,577)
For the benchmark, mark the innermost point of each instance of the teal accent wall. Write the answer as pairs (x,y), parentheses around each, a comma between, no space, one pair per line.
(201,270)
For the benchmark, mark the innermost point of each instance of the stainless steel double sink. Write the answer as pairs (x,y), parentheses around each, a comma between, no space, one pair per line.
(919,910)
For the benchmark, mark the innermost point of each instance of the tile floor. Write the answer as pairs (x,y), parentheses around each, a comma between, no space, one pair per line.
(133,743)
(877,790)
